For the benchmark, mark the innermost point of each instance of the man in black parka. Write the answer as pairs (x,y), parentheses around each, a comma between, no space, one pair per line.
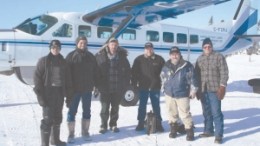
(114,70)
(52,83)
(146,78)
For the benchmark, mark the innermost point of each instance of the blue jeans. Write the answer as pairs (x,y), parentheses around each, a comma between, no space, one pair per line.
(211,107)
(86,105)
(155,100)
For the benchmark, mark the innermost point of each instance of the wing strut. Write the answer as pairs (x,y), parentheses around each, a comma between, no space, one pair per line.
(238,9)
(122,26)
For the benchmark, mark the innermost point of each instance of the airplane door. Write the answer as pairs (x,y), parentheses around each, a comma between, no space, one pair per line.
(7,50)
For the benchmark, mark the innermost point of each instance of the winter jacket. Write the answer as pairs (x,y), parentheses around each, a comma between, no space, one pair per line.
(179,83)
(83,68)
(212,71)
(43,76)
(146,72)
(122,68)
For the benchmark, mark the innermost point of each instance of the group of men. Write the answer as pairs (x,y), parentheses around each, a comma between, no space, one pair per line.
(109,72)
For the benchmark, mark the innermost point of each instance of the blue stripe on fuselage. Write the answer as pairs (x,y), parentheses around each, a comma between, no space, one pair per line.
(251,21)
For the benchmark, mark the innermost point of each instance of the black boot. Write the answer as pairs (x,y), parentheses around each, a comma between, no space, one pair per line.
(45,136)
(181,129)
(173,133)
(159,127)
(140,126)
(190,134)
(55,136)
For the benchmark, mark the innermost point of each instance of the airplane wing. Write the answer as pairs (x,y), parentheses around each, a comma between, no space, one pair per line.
(135,13)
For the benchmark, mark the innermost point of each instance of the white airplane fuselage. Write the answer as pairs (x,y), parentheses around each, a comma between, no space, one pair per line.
(25,44)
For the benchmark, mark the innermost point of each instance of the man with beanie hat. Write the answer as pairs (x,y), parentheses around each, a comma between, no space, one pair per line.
(212,71)
(146,78)
(52,83)
(179,85)
(83,67)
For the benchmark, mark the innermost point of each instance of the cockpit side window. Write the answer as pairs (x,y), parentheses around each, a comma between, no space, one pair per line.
(37,25)
(64,31)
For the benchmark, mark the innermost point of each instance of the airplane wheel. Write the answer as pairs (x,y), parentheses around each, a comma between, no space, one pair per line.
(17,72)
(25,74)
(130,97)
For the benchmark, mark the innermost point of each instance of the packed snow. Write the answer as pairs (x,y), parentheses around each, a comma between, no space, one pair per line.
(20,115)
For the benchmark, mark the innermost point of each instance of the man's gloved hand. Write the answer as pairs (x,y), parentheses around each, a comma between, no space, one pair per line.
(96,93)
(41,101)
(40,97)
(68,102)
(192,94)
(221,92)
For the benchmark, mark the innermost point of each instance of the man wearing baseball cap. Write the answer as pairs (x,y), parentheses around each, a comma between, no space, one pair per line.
(179,85)
(146,78)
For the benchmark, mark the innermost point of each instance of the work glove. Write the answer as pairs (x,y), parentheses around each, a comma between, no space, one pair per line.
(199,94)
(40,97)
(221,92)
(96,93)
(68,102)
(192,94)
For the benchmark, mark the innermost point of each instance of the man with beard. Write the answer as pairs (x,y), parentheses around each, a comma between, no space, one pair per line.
(179,85)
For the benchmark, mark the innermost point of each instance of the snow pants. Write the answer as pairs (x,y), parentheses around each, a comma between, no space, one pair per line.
(52,113)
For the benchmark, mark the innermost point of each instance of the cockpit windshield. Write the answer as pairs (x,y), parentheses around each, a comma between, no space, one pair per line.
(37,25)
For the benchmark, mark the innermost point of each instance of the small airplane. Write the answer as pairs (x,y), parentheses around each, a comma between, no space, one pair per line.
(132,22)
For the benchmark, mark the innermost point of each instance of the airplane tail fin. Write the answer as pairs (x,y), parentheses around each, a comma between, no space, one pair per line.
(244,25)
(245,18)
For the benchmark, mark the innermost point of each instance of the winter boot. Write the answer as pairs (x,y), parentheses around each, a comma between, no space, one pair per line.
(181,129)
(103,130)
(140,126)
(159,127)
(218,140)
(190,134)
(45,136)
(84,129)
(173,133)
(71,127)
(55,136)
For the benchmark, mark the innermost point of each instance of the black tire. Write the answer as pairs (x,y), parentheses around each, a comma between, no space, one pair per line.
(130,97)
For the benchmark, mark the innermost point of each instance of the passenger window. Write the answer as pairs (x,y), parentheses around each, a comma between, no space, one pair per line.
(168,37)
(181,38)
(64,31)
(152,36)
(194,39)
(104,32)
(129,34)
(84,31)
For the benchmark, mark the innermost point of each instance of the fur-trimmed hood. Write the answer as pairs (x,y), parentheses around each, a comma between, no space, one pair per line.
(120,50)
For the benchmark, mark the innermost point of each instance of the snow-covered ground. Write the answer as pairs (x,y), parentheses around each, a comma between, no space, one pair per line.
(20,115)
